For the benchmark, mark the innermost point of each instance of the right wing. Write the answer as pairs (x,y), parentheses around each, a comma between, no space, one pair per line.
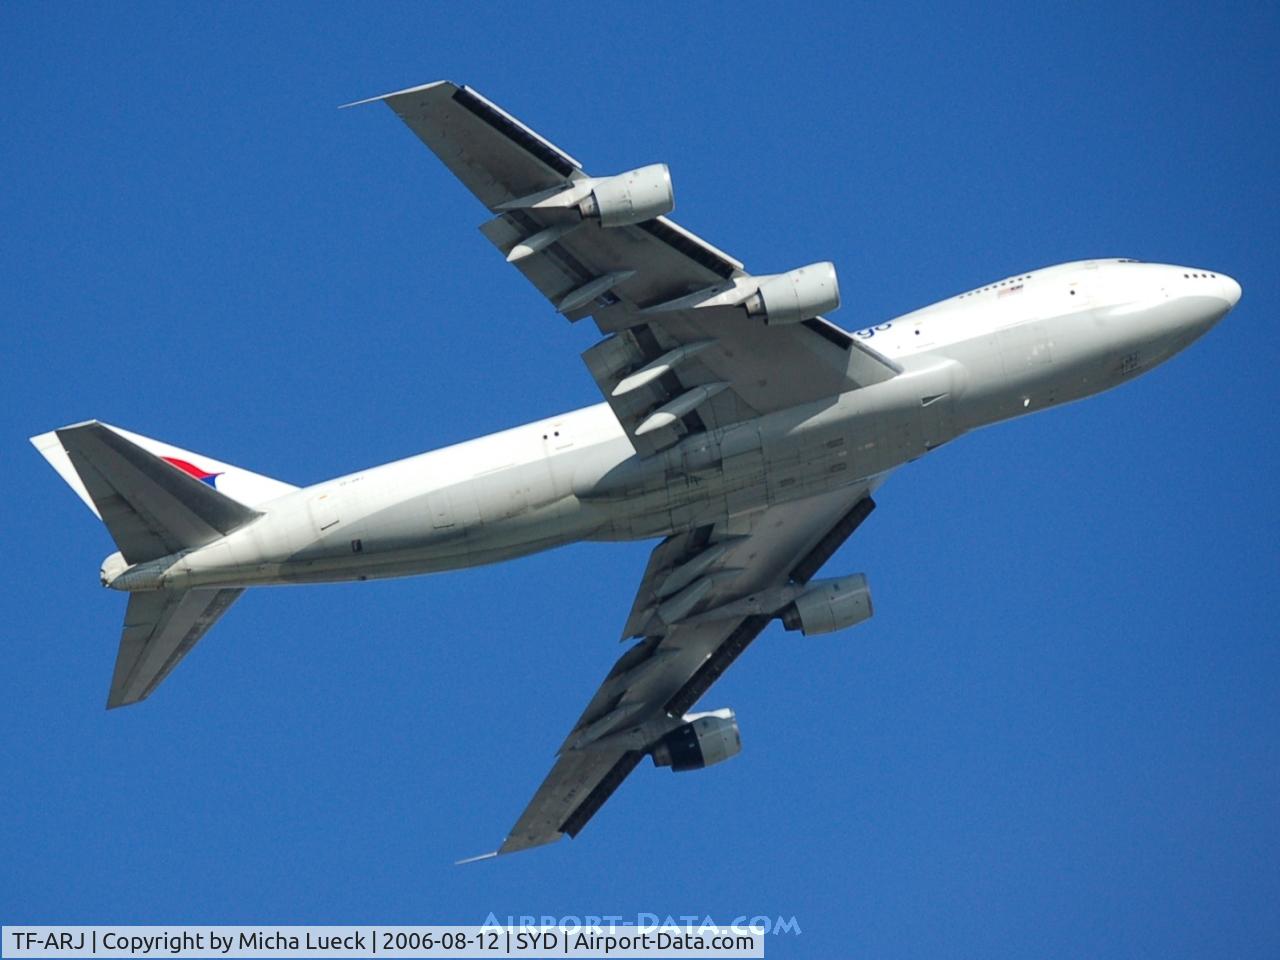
(686,646)
(682,354)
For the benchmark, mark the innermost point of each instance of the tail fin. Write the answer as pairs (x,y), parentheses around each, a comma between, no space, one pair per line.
(154,498)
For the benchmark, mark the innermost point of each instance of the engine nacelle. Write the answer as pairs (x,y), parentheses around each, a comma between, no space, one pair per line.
(705,739)
(796,295)
(631,197)
(829,605)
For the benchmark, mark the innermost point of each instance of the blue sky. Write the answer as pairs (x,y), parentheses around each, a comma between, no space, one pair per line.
(1060,734)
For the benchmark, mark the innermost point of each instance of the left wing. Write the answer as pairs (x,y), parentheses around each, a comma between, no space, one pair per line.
(693,341)
(706,594)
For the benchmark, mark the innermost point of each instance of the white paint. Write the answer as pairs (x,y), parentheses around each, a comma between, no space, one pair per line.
(520,491)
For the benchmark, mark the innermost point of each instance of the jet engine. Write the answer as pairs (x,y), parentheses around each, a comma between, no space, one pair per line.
(796,295)
(630,197)
(704,739)
(829,605)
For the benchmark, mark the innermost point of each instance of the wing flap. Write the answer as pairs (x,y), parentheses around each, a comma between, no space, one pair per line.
(495,156)
(579,782)
(644,283)
(659,678)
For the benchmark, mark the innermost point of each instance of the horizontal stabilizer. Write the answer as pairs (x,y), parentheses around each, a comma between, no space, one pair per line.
(160,628)
(151,506)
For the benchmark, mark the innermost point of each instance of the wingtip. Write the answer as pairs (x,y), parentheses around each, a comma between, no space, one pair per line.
(484,856)
(396,93)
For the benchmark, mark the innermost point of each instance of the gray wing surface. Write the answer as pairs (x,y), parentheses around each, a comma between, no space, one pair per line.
(151,509)
(160,628)
(677,341)
(681,653)
(681,355)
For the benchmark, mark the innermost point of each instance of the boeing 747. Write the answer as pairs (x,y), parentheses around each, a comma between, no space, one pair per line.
(738,425)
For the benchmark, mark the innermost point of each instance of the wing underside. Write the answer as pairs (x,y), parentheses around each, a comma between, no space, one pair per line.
(686,350)
(680,355)
(661,676)
(160,628)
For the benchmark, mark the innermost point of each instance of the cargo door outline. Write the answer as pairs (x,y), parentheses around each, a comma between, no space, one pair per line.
(440,508)
(324,513)
(453,508)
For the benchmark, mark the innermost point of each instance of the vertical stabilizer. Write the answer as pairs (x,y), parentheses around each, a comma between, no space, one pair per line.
(251,489)
(155,500)
(152,505)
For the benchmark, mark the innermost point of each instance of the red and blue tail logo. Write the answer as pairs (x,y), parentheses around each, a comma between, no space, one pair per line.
(204,476)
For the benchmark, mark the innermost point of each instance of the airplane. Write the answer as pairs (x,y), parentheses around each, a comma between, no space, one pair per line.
(739,425)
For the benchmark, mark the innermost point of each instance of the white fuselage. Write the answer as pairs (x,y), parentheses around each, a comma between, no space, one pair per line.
(1013,347)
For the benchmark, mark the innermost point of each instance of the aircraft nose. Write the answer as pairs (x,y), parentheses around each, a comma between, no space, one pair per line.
(1230,290)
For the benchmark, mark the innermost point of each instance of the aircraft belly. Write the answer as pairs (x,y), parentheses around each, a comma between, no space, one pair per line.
(1034,365)
(371,526)
(786,456)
